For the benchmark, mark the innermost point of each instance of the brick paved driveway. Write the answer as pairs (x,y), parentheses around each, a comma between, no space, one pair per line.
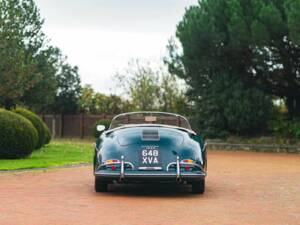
(242,188)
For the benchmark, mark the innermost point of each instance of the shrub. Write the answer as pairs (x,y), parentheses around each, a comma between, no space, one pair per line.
(295,129)
(37,123)
(106,123)
(18,137)
(282,127)
(47,134)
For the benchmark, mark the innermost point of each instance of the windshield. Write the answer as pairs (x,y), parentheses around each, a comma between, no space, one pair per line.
(150,118)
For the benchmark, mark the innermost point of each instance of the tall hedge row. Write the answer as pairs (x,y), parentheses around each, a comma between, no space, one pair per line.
(18,137)
(47,134)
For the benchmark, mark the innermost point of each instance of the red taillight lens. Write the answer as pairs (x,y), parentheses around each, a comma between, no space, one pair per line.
(187,168)
(113,168)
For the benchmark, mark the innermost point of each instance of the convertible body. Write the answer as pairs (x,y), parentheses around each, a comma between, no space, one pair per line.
(150,147)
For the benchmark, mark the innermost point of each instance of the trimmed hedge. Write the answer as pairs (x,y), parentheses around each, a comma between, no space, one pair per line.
(47,134)
(106,123)
(18,137)
(37,123)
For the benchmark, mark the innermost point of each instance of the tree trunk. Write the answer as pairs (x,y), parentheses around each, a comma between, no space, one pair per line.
(293,106)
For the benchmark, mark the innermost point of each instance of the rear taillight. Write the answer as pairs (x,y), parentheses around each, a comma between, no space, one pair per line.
(113,164)
(187,164)
(112,161)
(187,161)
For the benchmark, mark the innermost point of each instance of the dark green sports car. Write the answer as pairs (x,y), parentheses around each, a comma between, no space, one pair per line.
(144,147)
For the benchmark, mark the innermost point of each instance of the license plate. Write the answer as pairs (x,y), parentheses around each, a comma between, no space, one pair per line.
(150,158)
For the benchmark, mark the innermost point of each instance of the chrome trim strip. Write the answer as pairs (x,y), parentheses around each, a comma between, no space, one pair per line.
(170,164)
(144,112)
(149,125)
(189,164)
(151,112)
(166,174)
(192,164)
(150,168)
(132,166)
(125,163)
(152,174)
(105,164)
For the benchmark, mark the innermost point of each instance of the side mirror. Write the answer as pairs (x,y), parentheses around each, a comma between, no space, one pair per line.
(100,128)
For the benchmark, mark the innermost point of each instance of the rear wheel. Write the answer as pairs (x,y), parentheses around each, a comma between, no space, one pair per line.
(198,187)
(100,186)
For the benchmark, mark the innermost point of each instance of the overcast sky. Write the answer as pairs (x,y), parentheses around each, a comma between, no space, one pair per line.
(101,36)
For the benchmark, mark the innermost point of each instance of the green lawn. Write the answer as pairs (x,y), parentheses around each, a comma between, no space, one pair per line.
(57,153)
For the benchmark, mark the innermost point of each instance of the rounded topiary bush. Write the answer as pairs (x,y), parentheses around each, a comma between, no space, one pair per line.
(47,134)
(18,137)
(96,133)
(37,123)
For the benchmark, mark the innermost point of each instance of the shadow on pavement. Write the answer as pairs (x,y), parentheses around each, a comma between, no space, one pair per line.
(161,190)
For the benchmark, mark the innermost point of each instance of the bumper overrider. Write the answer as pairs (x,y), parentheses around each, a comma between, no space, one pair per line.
(159,176)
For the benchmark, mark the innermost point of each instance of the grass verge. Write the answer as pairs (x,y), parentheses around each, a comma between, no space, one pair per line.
(57,153)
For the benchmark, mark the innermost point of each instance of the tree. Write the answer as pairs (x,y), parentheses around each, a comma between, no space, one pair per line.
(255,41)
(172,95)
(32,72)
(228,107)
(151,89)
(140,83)
(42,95)
(21,39)
(68,92)
(87,99)
(97,103)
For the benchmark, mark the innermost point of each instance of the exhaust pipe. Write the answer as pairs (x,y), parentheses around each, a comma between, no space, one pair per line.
(121,180)
(178,179)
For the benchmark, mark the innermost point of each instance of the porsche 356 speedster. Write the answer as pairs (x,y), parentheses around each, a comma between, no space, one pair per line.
(144,147)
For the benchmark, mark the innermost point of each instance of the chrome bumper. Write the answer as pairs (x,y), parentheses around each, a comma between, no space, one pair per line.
(141,174)
(133,177)
(158,175)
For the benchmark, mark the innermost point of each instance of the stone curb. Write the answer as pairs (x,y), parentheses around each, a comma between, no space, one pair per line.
(254,147)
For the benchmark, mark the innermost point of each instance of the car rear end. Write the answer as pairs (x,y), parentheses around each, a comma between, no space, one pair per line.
(144,154)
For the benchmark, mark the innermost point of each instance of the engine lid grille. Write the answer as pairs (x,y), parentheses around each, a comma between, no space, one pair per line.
(150,135)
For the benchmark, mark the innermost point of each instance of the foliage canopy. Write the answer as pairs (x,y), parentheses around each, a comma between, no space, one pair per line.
(21,39)
(151,89)
(32,72)
(257,41)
